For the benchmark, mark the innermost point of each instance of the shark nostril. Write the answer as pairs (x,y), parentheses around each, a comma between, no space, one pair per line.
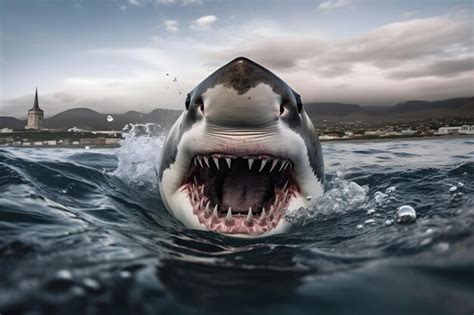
(199,104)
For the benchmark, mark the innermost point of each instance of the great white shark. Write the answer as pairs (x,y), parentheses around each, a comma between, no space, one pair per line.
(242,156)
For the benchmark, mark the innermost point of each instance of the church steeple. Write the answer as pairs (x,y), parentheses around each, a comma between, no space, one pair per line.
(35,115)
(36,104)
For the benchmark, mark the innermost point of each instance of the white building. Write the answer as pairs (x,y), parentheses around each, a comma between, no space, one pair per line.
(408,132)
(463,130)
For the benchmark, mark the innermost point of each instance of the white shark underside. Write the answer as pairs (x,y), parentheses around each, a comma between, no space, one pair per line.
(242,155)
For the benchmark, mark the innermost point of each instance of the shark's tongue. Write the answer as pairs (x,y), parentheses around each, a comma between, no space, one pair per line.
(242,189)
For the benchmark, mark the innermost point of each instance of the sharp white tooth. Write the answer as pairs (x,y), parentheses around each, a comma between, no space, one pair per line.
(216,161)
(264,162)
(195,180)
(214,212)
(194,161)
(200,161)
(274,163)
(250,215)
(201,189)
(285,186)
(263,214)
(229,214)
(229,162)
(283,163)
(276,199)
(286,195)
(206,160)
(250,161)
(207,205)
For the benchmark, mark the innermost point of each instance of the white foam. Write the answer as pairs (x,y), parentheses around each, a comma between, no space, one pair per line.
(139,154)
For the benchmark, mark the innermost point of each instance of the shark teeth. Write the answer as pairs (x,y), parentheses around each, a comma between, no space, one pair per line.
(261,162)
(250,162)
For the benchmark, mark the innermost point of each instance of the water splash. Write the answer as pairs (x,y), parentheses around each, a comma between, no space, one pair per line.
(341,196)
(139,154)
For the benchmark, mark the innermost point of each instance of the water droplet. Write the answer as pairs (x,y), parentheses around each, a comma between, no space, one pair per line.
(110,118)
(309,197)
(175,79)
(369,221)
(388,222)
(91,284)
(426,241)
(370,211)
(453,189)
(443,246)
(359,226)
(64,274)
(460,184)
(125,274)
(405,214)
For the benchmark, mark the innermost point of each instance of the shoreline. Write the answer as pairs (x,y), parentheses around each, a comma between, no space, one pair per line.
(356,140)
(394,138)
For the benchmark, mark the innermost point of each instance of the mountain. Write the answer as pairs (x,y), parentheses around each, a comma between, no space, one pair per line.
(85,118)
(11,122)
(407,111)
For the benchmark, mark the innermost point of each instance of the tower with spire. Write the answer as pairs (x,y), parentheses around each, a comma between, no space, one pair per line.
(35,115)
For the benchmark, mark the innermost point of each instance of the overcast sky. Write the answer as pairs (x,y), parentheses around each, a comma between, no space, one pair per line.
(119,55)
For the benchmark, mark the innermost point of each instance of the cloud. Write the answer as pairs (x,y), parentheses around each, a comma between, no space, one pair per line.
(430,58)
(332,4)
(391,63)
(123,8)
(204,22)
(163,2)
(388,48)
(171,25)
(441,68)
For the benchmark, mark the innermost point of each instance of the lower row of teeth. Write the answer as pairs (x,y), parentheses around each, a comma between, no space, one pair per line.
(265,216)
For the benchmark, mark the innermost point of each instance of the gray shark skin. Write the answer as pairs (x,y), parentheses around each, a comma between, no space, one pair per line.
(242,155)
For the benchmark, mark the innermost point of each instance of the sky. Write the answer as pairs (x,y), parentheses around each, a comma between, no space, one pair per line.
(115,56)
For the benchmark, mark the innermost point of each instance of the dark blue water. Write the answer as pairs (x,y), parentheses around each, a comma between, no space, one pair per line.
(85,232)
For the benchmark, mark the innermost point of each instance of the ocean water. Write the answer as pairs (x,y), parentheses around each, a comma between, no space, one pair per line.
(85,232)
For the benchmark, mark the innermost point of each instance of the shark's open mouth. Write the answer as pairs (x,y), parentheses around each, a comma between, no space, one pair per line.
(240,194)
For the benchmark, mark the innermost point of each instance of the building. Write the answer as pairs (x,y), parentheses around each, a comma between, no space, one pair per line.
(35,116)
(408,132)
(462,130)
(467,130)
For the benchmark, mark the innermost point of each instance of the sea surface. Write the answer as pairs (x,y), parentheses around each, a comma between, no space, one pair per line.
(85,232)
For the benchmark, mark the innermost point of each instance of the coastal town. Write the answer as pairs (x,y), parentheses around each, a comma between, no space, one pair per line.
(34,134)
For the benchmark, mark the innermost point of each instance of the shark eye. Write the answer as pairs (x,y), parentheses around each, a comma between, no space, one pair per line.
(188,100)
(299,103)
(282,109)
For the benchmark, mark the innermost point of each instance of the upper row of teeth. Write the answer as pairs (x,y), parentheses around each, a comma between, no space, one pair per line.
(283,163)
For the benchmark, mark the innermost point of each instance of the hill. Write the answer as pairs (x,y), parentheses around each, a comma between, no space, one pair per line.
(88,119)
(407,111)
